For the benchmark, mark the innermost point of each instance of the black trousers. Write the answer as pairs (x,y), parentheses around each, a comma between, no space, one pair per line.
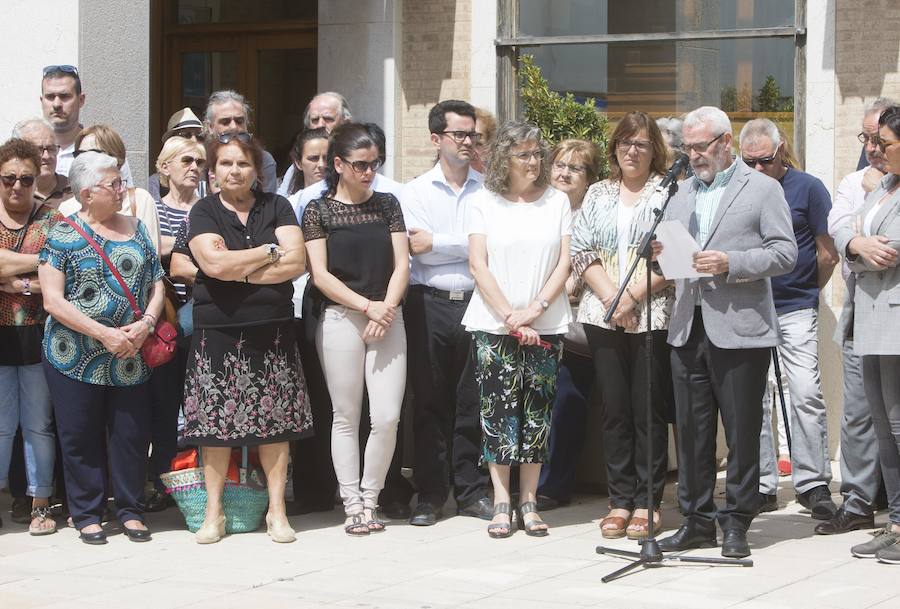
(86,415)
(620,366)
(166,387)
(709,380)
(445,397)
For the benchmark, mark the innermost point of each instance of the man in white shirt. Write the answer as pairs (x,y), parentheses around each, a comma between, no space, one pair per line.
(61,103)
(441,372)
(860,468)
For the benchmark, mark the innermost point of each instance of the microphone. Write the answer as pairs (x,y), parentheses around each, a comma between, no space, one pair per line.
(680,164)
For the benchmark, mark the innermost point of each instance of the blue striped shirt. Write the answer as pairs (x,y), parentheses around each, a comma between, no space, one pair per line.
(707,202)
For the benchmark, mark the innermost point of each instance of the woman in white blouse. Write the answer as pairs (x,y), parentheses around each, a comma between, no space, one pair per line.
(519,256)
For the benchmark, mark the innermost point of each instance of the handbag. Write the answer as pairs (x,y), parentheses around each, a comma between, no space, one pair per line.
(159,347)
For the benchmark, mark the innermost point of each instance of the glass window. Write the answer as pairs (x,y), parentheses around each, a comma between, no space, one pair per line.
(585,17)
(240,11)
(203,73)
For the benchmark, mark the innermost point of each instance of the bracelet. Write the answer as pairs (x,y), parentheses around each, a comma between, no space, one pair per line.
(630,295)
(150,324)
(151,316)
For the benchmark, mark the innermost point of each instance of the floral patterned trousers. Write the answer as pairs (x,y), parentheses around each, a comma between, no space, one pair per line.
(517,386)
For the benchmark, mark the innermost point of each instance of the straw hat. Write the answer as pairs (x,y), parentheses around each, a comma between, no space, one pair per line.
(183,119)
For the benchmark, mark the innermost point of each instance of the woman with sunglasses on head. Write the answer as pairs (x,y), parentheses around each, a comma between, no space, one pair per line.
(604,245)
(871,245)
(92,359)
(359,261)
(244,382)
(24,396)
(181,164)
(519,256)
(138,202)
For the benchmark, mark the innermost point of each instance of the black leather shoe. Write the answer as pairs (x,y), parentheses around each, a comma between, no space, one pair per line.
(158,502)
(734,544)
(689,537)
(818,501)
(137,534)
(767,503)
(546,503)
(93,539)
(396,510)
(20,511)
(424,515)
(483,508)
(844,522)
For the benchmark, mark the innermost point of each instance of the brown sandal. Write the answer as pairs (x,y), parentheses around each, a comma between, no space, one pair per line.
(617,530)
(640,527)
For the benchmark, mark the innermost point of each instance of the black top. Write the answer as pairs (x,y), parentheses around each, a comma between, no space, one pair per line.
(235,303)
(360,252)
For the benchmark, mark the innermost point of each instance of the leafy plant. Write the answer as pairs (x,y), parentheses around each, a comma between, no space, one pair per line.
(769,98)
(560,116)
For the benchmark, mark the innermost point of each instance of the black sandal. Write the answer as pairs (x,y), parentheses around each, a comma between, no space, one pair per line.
(375,523)
(357,526)
(501,530)
(532,527)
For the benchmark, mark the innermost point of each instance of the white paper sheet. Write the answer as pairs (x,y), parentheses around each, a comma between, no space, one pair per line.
(677,257)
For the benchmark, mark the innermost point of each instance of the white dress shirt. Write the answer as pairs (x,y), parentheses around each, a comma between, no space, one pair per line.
(431,204)
(848,199)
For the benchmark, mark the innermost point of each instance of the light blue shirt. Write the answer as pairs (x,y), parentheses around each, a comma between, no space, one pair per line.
(430,203)
(707,202)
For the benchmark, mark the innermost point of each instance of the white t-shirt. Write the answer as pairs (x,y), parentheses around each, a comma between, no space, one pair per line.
(623,230)
(523,247)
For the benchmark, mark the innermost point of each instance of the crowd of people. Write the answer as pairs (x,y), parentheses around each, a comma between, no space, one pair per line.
(479,292)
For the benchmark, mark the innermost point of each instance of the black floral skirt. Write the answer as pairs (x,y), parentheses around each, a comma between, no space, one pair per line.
(245,386)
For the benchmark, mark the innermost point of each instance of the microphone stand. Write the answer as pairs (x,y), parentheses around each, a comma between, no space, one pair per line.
(650,554)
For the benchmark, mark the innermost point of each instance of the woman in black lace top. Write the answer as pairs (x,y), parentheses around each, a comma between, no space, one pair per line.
(359,259)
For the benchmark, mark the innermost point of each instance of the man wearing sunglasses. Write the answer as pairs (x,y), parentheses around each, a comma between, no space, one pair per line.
(61,102)
(796,296)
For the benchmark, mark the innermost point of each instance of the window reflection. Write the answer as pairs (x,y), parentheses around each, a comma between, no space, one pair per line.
(240,11)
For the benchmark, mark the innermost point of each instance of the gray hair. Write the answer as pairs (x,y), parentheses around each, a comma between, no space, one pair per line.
(760,127)
(511,134)
(28,122)
(879,105)
(223,97)
(670,127)
(87,171)
(708,115)
(346,114)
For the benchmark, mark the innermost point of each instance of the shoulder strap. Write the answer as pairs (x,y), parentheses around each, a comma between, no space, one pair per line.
(109,264)
(24,230)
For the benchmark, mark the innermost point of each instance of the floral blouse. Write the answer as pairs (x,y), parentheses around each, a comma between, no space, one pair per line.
(595,239)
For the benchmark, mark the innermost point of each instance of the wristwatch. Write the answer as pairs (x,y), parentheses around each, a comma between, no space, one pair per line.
(273,252)
(544,304)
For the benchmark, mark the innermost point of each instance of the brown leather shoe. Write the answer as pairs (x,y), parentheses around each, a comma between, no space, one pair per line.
(613,527)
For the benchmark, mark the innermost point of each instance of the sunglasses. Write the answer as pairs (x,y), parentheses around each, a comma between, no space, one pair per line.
(882,143)
(187,161)
(360,167)
(188,134)
(762,160)
(241,136)
(10,180)
(66,68)
(81,151)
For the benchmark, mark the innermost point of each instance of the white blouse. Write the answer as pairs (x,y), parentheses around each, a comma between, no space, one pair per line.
(523,248)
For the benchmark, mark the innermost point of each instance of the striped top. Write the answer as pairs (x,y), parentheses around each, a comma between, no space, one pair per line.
(708,197)
(170,219)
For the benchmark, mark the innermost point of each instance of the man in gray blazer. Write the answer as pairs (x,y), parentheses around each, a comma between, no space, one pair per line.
(722,329)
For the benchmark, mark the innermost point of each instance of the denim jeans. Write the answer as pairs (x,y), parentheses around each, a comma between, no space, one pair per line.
(25,402)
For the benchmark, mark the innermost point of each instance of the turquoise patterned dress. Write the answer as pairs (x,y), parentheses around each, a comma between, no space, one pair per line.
(94,291)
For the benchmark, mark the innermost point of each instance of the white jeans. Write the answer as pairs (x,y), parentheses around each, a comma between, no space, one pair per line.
(799,357)
(350,365)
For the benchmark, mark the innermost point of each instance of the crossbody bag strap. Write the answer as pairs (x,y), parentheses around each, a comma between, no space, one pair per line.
(20,241)
(109,264)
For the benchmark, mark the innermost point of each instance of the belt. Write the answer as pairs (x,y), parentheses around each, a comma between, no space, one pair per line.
(458,295)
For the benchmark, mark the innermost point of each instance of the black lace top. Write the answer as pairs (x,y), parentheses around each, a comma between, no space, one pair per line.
(360,252)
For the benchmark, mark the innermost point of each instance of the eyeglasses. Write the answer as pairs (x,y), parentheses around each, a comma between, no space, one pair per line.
(241,136)
(10,180)
(81,151)
(762,160)
(460,136)
(865,138)
(360,167)
(574,169)
(116,185)
(625,145)
(51,148)
(61,68)
(524,157)
(702,146)
(187,161)
(882,143)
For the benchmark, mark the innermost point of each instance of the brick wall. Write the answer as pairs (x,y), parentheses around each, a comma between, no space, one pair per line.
(435,65)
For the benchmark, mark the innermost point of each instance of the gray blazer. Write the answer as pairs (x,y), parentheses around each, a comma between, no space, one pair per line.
(876,300)
(753,226)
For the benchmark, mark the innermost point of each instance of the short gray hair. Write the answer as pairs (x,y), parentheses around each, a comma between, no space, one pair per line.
(346,114)
(223,97)
(510,134)
(670,127)
(708,115)
(87,171)
(760,127)
(28,122)
(879,105)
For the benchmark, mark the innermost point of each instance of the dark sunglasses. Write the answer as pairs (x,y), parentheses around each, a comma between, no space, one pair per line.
(361,166)
(61,68)
(186,134)
(10,180)
(187,160)
(763,160)
(241,136)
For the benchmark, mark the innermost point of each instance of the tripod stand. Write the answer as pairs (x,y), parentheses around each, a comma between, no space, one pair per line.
(650,554)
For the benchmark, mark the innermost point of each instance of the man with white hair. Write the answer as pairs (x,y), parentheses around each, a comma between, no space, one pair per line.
(796,296)
(722,328)
(50,187)
(860,467)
